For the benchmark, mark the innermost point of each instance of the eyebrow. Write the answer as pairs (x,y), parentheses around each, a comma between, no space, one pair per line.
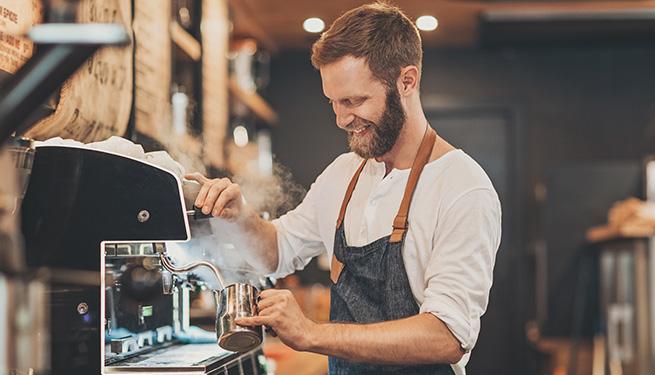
(352,98)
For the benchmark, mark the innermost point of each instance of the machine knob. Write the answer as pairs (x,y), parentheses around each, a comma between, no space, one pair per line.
(143,216)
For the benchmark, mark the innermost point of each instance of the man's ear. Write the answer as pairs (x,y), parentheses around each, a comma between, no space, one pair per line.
(408,80)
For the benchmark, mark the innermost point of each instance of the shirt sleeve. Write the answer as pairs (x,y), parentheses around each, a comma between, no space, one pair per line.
(460,270)
(298,235)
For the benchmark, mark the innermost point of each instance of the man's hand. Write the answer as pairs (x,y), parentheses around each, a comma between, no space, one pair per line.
(219,197)
(418,339)
(223,198)
(279,310)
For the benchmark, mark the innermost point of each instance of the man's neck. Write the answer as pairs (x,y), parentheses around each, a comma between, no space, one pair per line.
(403,152)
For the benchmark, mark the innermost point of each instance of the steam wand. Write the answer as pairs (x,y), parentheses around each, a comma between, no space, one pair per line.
(170,267)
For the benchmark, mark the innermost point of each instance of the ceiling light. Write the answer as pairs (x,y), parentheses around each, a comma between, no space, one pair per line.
(240,135)
(427,23)
(313,25)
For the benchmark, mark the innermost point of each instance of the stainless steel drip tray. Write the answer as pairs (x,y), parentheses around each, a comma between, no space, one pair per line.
(178,359)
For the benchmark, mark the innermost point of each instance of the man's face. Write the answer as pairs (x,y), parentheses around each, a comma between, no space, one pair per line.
(366,109)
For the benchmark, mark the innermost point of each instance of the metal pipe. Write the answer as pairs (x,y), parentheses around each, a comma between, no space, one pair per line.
(170,267)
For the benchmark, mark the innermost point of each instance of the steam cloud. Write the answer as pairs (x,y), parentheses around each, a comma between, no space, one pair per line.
(224,244)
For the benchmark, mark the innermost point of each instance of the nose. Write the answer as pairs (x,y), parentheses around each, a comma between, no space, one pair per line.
(344,116)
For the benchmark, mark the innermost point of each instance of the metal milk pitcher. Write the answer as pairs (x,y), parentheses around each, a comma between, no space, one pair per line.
(237,301)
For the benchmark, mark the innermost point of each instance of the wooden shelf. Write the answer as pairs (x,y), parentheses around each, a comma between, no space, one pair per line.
(256,103)
(186,41)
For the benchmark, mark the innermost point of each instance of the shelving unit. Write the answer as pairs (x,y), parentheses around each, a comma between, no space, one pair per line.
(199,69)
(186,72)
(187,42)
(254,102)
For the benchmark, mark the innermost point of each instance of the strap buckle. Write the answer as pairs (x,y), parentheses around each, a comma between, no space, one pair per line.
(400,225)
(400,222)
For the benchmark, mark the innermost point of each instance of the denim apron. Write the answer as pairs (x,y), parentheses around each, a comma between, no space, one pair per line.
(369,283)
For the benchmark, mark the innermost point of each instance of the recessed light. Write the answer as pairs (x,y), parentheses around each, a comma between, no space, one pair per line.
(427,23)
(313,25)
(240,135)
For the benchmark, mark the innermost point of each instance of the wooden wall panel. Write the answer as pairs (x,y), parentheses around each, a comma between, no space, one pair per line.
(95,103)
(16,17)
(215,38)
(153,68)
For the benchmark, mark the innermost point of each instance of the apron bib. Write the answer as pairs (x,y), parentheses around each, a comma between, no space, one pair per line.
(370,284)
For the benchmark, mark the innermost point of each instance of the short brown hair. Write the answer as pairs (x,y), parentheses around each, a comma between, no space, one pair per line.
(379,32)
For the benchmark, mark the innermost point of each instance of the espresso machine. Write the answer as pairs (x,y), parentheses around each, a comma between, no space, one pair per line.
(102,223)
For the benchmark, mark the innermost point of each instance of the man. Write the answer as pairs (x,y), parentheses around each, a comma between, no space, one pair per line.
(417,221)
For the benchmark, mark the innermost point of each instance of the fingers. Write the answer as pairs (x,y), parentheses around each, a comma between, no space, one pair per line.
(278,312)
(274,292)
(270,301)
(214,190)
(271,297)
(265,303)
(197,177)
(267,316)
(254,321)
(202,194)
(214,195)
(205,184)
(257,321)
(231,193)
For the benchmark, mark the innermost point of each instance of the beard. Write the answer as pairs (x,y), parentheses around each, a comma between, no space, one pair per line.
(383,135)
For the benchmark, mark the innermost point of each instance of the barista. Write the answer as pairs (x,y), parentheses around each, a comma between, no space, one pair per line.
(412,224)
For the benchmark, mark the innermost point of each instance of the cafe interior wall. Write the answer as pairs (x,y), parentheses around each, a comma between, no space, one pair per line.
(569,105)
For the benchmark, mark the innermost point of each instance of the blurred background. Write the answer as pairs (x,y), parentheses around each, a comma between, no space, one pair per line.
(555,99)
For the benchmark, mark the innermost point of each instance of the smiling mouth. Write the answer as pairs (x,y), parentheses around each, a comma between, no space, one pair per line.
(360,130)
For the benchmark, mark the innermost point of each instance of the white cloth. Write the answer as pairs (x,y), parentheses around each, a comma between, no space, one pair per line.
(451,244)
(125,147)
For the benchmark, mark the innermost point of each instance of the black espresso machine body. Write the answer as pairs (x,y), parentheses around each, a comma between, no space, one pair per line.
(76,200)
(78,197)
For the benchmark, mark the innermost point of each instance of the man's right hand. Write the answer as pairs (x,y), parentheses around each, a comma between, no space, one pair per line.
(219,197)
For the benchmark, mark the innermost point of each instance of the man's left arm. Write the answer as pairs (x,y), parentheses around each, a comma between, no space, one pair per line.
(458,277)
(421,338)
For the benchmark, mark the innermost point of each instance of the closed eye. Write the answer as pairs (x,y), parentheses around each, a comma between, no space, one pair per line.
(350,102)
(354,101)
(358,100)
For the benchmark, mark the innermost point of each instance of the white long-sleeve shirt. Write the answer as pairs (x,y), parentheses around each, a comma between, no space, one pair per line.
(450,247)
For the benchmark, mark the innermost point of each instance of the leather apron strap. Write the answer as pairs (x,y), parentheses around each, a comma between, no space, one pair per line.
(400,222)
